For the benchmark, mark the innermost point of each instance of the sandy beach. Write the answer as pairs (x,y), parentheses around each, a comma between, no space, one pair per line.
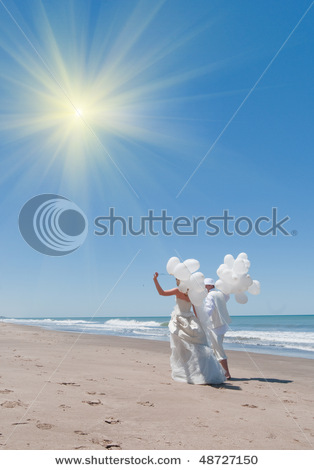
(68,391)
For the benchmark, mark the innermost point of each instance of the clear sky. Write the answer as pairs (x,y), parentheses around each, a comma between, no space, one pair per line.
(156,83)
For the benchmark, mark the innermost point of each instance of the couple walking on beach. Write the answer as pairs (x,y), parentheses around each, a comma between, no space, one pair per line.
(196,337)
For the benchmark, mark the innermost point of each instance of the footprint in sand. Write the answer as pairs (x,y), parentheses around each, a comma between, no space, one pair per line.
(250,406)
(6,391)
(93,402)
(81,433)
(145,403)
(44,426)
(112,421)
(201,425)
(106,443)
(114,447)
(12,404)
(73,384)
(102,442)
(64,407)
(91,393)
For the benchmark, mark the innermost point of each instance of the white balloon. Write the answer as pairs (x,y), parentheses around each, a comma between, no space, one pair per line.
(255,288)
(241,298)
(242,256)
(226,276)
(221,269)
(233,289)
(184,286)
(197,281)
(240,267)
(192,265)
(172,263)
(219,283)
(229,260)
(197,298)
(245,281)
(247,263)
(239,290)
(223,287)
(181,272)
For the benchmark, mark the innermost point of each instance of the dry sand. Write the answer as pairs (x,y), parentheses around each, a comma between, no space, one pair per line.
(68,391)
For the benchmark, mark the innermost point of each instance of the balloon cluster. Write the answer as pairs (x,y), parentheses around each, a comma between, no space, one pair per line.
(191,280)
(234,278)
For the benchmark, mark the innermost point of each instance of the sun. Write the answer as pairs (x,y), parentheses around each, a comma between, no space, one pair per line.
(78,113)
(78,96)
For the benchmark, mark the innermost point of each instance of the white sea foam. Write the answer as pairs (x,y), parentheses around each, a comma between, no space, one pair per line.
(45,321)
(284,339)
(131,323)
(115,326)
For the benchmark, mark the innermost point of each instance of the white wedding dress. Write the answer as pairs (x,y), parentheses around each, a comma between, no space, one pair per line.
(192,360)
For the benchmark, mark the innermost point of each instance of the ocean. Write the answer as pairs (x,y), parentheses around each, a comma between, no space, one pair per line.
(285,335)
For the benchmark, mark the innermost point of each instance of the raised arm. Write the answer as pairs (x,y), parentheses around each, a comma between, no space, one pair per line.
(166,293)
(160,289)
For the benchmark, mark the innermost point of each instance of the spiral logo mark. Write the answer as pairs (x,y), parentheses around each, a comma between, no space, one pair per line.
(53,225)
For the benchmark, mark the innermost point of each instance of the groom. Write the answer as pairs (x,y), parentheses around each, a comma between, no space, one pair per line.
(216,309)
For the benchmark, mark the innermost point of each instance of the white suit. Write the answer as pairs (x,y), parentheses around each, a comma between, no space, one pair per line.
(218,319)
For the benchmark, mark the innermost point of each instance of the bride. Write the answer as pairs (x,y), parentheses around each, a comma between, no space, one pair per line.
(192,360)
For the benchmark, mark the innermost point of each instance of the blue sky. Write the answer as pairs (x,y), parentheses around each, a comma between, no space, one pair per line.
(157,82)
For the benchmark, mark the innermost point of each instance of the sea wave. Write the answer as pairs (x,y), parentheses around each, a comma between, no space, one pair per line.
(118,323)
(112,326)
(45,321)
(280,339)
